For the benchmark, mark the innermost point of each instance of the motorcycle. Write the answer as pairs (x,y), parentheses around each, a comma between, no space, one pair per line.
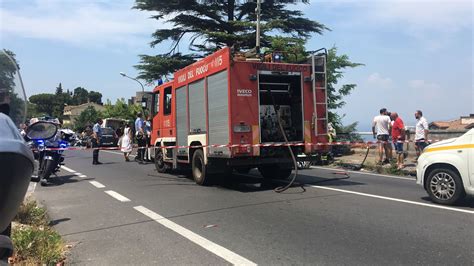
(47,144)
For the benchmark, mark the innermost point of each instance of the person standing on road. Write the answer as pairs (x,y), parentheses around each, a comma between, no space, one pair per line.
(96,135)
(380,130)
(147,125)
(398,138)
(421,133)
(140,136)
(126,143)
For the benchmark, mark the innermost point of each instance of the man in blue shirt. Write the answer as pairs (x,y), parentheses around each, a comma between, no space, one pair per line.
(96,135)
(140,136)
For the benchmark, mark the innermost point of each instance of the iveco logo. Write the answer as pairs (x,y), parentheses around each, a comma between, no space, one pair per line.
(244,92)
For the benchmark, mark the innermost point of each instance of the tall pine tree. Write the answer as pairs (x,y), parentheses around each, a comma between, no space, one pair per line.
(210,25)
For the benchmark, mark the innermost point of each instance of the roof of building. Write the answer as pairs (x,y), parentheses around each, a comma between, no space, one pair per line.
(451,125)
(71,107)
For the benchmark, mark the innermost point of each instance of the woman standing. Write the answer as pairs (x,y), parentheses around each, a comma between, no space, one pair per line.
(126,144)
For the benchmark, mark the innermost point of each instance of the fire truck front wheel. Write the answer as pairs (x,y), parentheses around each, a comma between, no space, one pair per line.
(199,169)
(274,172)
(160,165)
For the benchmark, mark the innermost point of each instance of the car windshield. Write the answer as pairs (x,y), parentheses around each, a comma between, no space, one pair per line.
(107,131)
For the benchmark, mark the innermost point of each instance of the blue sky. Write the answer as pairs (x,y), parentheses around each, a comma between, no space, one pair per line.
(417,54)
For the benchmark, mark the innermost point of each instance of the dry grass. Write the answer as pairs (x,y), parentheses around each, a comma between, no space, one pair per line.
(35,242)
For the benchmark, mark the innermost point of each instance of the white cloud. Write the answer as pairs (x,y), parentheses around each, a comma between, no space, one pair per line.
(440,15)
(432,23)
(419,84)
(376,80)
(83,23)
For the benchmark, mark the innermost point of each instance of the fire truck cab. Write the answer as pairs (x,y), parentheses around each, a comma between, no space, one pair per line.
(223,113)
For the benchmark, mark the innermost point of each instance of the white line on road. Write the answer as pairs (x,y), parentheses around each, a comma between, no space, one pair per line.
(395,199)
(68,169)
(197,239)
(97,184)
(117,196)
(118,153)
(80,175)
(362,173)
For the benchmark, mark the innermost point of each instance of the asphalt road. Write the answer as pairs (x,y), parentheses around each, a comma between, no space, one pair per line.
(125,213)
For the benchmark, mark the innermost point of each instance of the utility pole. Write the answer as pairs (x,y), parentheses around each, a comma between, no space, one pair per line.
(257,44)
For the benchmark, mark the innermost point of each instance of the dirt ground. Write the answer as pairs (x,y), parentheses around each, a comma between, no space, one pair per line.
(370,163)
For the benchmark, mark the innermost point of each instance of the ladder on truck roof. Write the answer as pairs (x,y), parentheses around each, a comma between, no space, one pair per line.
(318,74)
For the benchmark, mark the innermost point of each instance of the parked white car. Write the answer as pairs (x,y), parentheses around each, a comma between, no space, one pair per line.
(446,169)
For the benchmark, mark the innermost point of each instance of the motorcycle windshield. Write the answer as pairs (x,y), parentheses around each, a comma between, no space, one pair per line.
(42,130)
(12,93)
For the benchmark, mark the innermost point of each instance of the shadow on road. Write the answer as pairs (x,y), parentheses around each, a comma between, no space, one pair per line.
(58,221)
(254,182)
(247,183)
(468,202)
(65,179)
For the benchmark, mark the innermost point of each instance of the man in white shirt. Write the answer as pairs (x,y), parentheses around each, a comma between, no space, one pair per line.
(381,131)
(421,133)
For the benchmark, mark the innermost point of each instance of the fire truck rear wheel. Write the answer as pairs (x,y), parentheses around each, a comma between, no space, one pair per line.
(274,172)
(199,169)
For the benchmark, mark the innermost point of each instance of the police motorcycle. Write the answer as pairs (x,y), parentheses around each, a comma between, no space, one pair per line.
(48,144)
(16,159)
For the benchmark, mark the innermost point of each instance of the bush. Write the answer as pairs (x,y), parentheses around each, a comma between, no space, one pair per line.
(37,245)
(34,241)
(31,214)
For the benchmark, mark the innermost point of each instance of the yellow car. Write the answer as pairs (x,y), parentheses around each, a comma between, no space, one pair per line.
(446,169)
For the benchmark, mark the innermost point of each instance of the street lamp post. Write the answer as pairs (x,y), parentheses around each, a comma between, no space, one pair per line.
(144,100)
(125,75)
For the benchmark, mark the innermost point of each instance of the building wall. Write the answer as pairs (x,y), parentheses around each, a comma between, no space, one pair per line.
(149,101)
(73,112)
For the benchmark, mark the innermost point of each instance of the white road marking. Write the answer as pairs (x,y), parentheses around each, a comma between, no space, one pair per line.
(68,169)
(396,200)
(197,239)
(363,173)
(117,196)
(118,153)
(97,184)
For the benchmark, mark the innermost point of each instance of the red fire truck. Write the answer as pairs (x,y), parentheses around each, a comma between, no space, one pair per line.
(223,113)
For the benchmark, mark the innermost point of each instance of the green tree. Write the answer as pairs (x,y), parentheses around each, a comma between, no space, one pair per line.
(61,99)
(95,97)
(336,65)
(33,111)
(80,96)
(44,102)
(59,89)
(211,25)
(121,110)
(88,117)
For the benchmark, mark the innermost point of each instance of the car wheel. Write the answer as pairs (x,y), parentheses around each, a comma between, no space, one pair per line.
(444,186)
